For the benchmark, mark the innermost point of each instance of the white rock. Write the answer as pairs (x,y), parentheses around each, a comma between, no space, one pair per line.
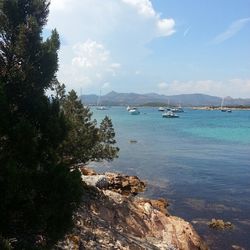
(99,181)
(148,208)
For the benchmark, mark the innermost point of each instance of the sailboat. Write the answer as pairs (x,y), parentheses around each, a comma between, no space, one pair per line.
(168,107)
(128,108)
(99,107)
(221,106)
(224,109)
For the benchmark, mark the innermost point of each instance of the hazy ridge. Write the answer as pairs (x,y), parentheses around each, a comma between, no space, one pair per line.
(114,98)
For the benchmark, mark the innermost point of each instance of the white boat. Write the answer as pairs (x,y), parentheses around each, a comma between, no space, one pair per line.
(169,114)
(161,109)
(99,107)
(128,108)
(102,108)
(177,109)
(222,109)
(134,111)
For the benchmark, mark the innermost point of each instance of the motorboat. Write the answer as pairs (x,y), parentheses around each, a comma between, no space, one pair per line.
(170,114)
(177,109)
(134,111)
(161,109)
(102,108)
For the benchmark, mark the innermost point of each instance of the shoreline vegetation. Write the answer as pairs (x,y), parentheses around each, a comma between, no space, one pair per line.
(219,108)
(202,107)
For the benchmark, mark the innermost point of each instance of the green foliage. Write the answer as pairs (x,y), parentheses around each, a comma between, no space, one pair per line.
(38,191)
(40,137)
(82,136)
(85,141)
(4,244)
(107,140)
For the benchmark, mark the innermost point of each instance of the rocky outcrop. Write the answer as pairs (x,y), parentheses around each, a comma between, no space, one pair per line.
(123,184)
(220,224)
(112,217)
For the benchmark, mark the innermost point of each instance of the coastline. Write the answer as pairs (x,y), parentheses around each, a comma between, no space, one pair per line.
(219,108)
(112,216)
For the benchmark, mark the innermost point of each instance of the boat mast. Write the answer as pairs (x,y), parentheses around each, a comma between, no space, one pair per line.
(99,98)
(222,103)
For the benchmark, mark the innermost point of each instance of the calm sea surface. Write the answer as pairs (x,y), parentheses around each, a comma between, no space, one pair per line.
(200,162)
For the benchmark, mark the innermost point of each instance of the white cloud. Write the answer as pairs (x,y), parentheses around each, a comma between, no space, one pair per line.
(77,20)
(162,86)
(106,85)
(232,30)
(99,36)
(90,54)
(233,87)
(144,7)
(96,19)
(91,64)
(59,4)
(115,65)
(164,27)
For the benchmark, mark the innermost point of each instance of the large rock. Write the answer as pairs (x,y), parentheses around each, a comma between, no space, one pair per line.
(122,184)
(220,224)
(125,184)
(110,219)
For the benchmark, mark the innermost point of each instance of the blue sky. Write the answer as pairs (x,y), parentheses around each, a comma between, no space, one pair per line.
(163,46)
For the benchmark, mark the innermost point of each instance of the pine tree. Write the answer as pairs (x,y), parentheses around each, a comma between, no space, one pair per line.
(107,139)
(78,147)
(37,190)
(85,141)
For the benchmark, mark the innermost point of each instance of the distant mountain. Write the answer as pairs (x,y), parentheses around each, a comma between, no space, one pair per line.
(113,98)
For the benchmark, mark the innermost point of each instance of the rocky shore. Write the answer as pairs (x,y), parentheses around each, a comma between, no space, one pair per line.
(111,216)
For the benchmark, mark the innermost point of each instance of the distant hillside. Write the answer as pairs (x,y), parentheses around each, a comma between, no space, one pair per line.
(113,98)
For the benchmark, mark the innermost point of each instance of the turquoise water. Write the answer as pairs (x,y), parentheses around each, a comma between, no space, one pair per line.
(200,162)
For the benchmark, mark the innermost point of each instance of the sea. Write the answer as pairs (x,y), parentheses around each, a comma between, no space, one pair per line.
(199,162)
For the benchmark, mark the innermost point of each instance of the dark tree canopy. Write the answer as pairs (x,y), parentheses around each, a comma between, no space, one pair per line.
(38,192)
(85,141)
(40,137)
(107,140)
